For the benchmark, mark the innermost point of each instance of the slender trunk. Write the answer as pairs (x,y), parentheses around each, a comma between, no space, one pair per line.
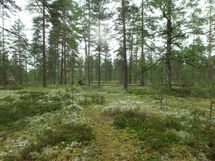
(19,58)
(3,49)
(26,70)
(135,76)
(86,58)
(89,47)
(44,48)
(62,63)
(73,67)
(124,46)
(169,45)
(210,61)
(106,75)
(142,81)
(55,66)
(130,65)
(34,70)
(161,85)
(151,70)
(65,65)
(20,68)
(211,107)
(161,96)
(99,63)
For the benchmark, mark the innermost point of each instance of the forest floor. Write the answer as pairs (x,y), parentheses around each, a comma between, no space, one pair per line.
(104,124)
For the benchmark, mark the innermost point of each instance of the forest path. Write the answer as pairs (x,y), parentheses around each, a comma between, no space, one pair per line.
(111,144)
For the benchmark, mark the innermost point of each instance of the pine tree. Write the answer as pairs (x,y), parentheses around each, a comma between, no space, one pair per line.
(41,7)
(19,51)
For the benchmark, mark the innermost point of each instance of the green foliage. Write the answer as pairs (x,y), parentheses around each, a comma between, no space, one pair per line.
(30,104)
(61,135)
(141,91)
(156,133)
(211,145)
(180,91)
(12,87)
(66,133)
(92,99)
(199,91)
(160,134)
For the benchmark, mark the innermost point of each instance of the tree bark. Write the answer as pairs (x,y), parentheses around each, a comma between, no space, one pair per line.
(62,63)
(65,64)
(124,46)
(99,63)
(44,47)
(3,49)
(86,59)
(142,81)
(89,47)
(210,61)
(131,64)
(169,45)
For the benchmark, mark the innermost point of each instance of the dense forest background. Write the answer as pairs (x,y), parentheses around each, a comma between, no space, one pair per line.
(156,42)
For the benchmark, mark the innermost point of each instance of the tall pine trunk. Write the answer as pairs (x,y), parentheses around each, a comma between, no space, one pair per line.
(169,45)
(99,63)
(142,76)
(62,63)
(65,65)
(124,47)
(86,58)
(3,49)
(44,47)
(130,65)
(89,47)
(210,61)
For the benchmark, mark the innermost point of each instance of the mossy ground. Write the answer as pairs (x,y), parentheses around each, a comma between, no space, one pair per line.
(106,123)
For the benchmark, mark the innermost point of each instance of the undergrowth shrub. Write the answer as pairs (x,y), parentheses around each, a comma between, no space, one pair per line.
(30,104)
(8,99)
(211,144)
(156,133)
(59,135)
(12,87)
(141,91)
(92,99)
(66,133)
(199,91)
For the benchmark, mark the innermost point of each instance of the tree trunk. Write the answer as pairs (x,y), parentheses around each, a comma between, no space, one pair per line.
(3,49)
(210,61)
(135,76)
(89,47)
(130,65)
(86,58)
(99,63)
(26,70)
(62,63)
(20,68)
(44,48)
(19,58)
(124,46)
(65,66)
(142,81)
(169,45)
